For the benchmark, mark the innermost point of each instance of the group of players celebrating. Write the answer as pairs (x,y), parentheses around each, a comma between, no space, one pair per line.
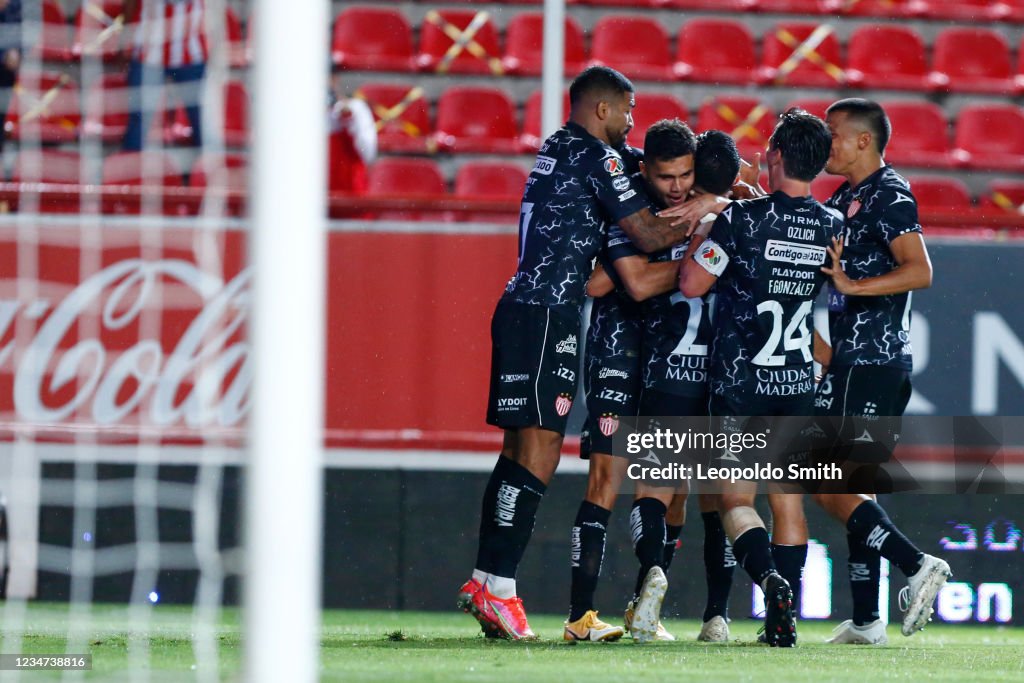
(702,303)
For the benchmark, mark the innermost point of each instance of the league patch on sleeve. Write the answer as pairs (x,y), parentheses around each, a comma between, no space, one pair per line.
(711,258)
(614,166)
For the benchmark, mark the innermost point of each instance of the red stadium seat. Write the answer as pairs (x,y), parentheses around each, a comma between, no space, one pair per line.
(966,10)
(444,47)
(45,106)
(990,136)
(237,56)
(227,171)
(824,186)
(1019,78)
(887,56)
(476,120)
(406,177)
(54,35)
(99,30)
(150,169)
(939,193)
(875,8)
(1007,195)
(107,108)
(790,6)
(524,40)
(715,51)
(816,106)
(632,4)
(714,5)
(650,109)
(491,180)
(920,135)
(372,39)
(402,115)
(748,120)
(972,60)
(236,114)
(636,46)
(781,64)
(530,139)
(47,166)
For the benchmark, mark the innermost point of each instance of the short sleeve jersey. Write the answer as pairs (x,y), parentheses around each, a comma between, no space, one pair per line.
(578,186)
(767,254)
(872,330)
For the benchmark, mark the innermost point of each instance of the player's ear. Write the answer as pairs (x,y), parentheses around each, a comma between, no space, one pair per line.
(603,109)
(643,167)
(864,140)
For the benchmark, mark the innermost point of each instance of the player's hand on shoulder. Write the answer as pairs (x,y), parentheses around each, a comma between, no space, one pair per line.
(742,190)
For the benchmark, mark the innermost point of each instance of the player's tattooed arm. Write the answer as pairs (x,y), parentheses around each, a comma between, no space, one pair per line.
(599,283)
(650,233)
(913,269)
(643,279)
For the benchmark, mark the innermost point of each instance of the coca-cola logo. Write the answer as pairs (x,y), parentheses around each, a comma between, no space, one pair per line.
(201,378)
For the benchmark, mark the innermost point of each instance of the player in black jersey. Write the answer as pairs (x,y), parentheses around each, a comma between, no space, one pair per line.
(765,256)
(882,258)
(612,379)
(578,186)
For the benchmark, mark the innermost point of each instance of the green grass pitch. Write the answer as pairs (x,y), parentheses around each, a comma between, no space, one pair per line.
(418,646)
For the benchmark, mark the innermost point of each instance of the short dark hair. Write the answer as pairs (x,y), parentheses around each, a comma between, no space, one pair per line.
(598,80)
(870,114)
(717,161)
(804,141)
(668,139)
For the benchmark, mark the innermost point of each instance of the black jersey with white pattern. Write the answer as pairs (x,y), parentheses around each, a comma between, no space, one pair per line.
(872,330)
(767,254)
(578,186)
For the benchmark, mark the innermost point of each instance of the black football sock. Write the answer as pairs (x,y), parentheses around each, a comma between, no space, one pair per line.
(671,540)
(513,511)
(501,469)
(865,567)
(587,554)
(719,564)
(647,525)
(790,560)
(754,554)
(871,526)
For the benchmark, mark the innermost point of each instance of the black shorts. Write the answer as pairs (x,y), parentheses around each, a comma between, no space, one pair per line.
(655,403)
(863,405)
(534,361)
(613,389)
(774,432)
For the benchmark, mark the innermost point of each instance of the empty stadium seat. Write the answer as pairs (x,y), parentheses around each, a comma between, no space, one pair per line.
(491,180)
(226,171)
(237,54)
(442,34)
(965,10)
(920,135)
(748,120)
(990,136)
(99,30)
(715,51)
(1007,195)
(874,8)
(636,46)
(887,56)
(45,106)
(713,5)
(236,114)
(524,41)
(939,193)
(651,108)
(972,60)
(790,6)
(54,36)
(48,166)
(824,186)
(815,105)
(372,39)
(530,138)
(402,115)
(149,168)
(409,177)
(476,120)
(781,65)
